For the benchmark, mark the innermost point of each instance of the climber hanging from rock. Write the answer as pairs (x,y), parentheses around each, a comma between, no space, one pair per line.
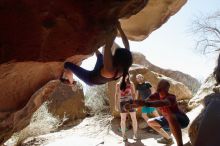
(108,67)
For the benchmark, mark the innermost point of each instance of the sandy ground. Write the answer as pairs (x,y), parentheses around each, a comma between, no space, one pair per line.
(100,130)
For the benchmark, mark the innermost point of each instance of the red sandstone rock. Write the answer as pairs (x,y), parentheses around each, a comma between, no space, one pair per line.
(53,30)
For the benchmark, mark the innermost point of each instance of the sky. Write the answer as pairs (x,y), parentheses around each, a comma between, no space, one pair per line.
(174,40)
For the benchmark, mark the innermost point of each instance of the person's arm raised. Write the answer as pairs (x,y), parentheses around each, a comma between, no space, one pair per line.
(123,36)
(108,58)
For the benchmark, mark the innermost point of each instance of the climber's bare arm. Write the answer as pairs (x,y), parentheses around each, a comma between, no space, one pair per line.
(123,36)
(108,69)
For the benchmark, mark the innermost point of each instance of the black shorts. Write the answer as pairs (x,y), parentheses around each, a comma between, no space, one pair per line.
(122,109)
(182,119)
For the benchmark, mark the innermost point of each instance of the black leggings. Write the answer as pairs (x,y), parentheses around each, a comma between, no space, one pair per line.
(83,74)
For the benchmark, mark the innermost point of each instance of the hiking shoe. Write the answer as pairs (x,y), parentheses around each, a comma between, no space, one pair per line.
(66,81)
(165,141)
(72,85)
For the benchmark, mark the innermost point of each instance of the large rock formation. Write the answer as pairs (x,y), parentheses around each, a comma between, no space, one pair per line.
(205,97)
(177,88)
(19,81)
(207,121)
(48,30)
(54,30)
(192,83)
(63,103)
(139,26)
(205,89)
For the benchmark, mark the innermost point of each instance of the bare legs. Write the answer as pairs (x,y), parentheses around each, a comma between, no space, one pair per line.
(134,123)
(146,118)
(175,129)
(155,113)
(156,126)
(123,123)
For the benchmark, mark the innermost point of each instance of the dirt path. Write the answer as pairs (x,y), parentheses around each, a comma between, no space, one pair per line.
(100,130)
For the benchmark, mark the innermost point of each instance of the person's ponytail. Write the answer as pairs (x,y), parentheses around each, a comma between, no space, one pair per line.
(123,82)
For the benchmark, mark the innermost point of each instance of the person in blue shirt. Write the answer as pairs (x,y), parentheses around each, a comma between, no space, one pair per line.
(144,90)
